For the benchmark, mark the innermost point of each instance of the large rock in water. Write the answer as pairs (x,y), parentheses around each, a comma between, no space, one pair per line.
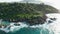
(25,12)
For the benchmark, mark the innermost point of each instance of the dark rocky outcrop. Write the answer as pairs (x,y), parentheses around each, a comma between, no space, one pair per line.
(36,20)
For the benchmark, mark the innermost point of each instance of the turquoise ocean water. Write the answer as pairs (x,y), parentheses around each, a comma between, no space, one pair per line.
(28,31)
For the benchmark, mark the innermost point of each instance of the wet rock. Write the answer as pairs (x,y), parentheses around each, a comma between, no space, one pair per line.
(17,24)
(49,21)
(53,18)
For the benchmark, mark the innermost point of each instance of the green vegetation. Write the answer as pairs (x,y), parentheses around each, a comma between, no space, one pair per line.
(23,11)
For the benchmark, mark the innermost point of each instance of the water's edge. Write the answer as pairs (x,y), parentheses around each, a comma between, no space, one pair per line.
(51,26)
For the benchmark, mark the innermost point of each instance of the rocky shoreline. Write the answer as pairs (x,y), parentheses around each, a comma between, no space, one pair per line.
(32,21)
(30,13)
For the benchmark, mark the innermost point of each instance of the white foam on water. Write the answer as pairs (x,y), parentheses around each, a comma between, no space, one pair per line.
(13,28)
(54,27)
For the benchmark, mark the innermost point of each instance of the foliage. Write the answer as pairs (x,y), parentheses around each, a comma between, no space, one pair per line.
(24,10)
(14,10)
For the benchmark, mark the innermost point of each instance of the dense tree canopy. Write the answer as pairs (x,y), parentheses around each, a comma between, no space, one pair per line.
(24,10)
